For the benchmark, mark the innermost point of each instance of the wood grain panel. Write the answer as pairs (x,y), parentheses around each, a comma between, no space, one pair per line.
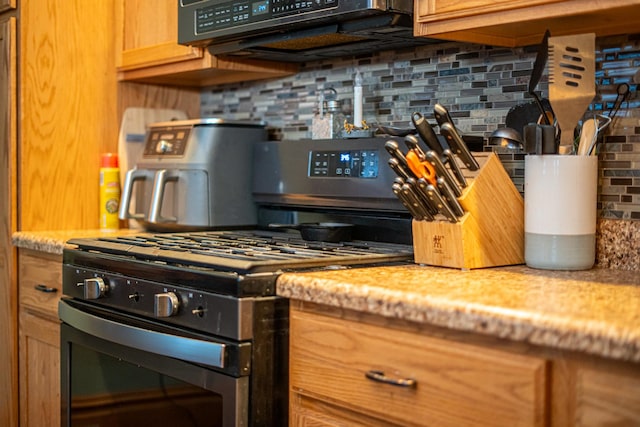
(149,32)
(457,384)
(68,104)
(41,269)
(8,224)
(39,371)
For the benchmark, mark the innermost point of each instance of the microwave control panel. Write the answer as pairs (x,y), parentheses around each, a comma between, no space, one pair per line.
(167,142)
(343,164)
(233,13)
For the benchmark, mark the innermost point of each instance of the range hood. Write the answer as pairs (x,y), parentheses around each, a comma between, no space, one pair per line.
(297,31)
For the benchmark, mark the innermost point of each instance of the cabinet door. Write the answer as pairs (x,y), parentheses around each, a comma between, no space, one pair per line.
(8,286)
(7,4)
(149,31)
(68,104)
(39,371)
(408,378)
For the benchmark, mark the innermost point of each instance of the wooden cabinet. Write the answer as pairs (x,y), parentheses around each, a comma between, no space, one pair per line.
(522,22)
(8,223)
(40,287)
(7,4)
(148,51)
(365,374)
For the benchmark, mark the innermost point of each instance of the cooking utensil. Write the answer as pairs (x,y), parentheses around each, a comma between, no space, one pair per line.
(412,144)
(571,82)
(458,146)
(506,137)
(536,74)
(442,115)
(455,168)
(331,232)
(588,135)
(394,152)
(406,201)
(441,203)
(449,197)
(395,131)
(421,169)
(442,171)
(523,114)
(410,191)
(426,132)
(539,139)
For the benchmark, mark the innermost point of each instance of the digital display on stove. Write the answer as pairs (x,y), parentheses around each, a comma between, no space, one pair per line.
(260,7)
(343,164)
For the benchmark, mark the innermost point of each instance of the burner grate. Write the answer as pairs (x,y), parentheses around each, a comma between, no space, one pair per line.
(247,250)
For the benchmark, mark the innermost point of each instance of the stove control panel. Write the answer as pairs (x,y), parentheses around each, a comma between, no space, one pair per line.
(344,164)
(208,312)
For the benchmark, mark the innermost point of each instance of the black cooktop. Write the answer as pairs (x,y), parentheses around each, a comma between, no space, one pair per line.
(249,251)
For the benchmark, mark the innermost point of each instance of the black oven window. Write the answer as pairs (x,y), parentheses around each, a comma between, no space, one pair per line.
(109,392)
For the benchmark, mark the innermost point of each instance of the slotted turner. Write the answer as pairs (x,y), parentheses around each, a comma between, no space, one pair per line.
(572,83)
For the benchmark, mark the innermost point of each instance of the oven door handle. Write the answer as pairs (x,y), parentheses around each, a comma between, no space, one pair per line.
(183,348)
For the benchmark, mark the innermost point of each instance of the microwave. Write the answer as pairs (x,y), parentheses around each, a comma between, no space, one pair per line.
(295,30)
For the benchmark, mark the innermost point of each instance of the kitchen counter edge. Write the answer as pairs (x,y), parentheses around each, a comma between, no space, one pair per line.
(594,311)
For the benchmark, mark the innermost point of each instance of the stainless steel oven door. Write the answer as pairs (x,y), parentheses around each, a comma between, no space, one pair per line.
(126,372)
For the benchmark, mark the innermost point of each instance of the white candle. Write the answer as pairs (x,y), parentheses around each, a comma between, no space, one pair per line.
(357,100)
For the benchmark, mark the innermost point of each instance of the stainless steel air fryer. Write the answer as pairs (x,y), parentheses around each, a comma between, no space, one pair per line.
(193,174)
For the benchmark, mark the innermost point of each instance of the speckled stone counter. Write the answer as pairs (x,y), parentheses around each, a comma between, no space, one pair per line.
(54,241)
(595,311)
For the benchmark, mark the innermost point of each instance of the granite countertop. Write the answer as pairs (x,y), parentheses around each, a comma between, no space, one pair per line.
(594,311)
(54,241)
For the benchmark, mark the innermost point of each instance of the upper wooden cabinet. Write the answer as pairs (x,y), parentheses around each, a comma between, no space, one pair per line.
(7,4)
(522,22)
(149,51)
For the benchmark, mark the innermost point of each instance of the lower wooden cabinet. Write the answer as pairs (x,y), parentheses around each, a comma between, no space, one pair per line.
(425,376)
(40,287)
(366,374)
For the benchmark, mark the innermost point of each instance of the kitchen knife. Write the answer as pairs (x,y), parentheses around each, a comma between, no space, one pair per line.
(422,196)
(450,198)
(397,168)
(394,152)
(442,171)
(409,192)
(442,115)
(397,190)
(458,146)
(426,132)
(455,168)
(443,206)
(412,144)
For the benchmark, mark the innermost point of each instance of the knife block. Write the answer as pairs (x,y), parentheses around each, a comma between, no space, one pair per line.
(491,232)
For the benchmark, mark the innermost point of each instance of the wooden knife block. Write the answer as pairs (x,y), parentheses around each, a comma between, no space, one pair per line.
(490,234)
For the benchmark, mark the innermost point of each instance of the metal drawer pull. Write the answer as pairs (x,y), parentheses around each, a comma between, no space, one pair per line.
(379,376)
(45,288)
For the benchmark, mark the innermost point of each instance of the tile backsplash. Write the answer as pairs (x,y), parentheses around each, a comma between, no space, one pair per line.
(478,84)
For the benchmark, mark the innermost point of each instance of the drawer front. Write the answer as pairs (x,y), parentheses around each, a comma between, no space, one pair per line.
(455,384)
(40,282)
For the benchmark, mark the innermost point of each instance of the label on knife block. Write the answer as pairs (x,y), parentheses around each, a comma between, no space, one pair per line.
(490,234)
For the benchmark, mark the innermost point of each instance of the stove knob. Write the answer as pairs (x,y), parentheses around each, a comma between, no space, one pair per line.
(166,305)
(94,288)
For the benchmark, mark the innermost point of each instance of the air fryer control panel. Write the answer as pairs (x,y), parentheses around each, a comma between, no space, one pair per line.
(167,142)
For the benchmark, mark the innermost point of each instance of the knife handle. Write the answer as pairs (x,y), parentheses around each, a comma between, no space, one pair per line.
(443,207)
(394,152)
(442,171)
(398,169)
(447,194)
(426,132)
(412,144)
(419,187)
(458,146)
(409,192)
(442,115)
(397,190)
(455,168)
